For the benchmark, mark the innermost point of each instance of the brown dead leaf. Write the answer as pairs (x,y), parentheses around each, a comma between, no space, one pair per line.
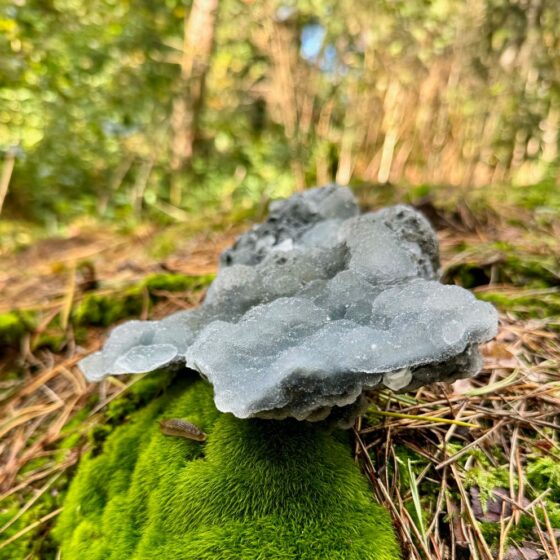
(499,355)
(529,551)
(462,386)
(498,505)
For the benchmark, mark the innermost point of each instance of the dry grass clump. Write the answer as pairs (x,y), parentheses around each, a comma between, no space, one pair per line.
(458,464)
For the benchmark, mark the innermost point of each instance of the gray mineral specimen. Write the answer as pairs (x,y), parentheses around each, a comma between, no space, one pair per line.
(312,308)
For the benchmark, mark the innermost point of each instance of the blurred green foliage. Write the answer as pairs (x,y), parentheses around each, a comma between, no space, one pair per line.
(96,309)
(428,91)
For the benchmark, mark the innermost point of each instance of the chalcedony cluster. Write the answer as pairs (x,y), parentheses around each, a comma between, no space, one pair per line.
(311,309)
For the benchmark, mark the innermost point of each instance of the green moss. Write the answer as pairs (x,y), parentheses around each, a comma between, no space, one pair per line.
(553,513)
(54,341)
(531,271)
(491,532)
(18,549)
(138,395)
(38,543)
(486,478)
(163,244)
(544,474)
(15,324)
(540,196)
(503,263)
(106,309)
(418,192)
(255,490)
(75,431)
(176,282)
(103,310)
(541,306)
(522,531)
(34,464)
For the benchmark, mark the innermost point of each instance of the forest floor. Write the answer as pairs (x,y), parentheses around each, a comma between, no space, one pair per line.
(468,470)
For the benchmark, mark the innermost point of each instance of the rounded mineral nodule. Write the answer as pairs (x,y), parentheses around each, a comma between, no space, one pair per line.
(312,308)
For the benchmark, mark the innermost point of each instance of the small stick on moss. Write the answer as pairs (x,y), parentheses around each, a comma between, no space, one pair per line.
(181,428)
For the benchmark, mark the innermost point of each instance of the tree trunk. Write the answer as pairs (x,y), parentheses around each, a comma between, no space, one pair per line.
(6,176)
(198,40)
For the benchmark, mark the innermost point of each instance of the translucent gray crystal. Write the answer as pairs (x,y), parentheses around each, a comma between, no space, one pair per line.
(312,308)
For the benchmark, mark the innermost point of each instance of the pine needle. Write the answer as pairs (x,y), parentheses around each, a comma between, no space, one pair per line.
(68,298)
(435,419)
(416,502)
(30,527)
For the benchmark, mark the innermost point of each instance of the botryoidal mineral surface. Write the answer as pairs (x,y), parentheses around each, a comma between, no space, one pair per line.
(311,309)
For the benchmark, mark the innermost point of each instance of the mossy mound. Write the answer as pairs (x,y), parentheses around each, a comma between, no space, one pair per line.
(254,490)
(106,309)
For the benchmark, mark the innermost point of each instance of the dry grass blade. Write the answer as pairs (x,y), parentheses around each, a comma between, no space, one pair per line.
(434,419)
(472,518)
(30,503)
(542,537)
(30,527)
(550,531)
(493,387)
(27,415)
(416,501)
(470,446)
(68,298)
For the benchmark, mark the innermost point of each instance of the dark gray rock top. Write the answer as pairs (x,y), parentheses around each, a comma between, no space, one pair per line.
(312,308)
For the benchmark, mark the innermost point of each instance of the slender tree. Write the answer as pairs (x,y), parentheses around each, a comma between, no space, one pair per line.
(198,41)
